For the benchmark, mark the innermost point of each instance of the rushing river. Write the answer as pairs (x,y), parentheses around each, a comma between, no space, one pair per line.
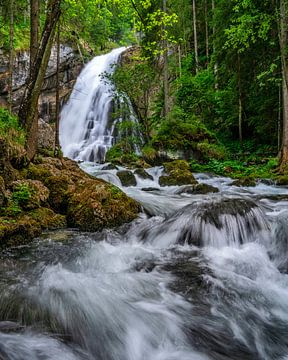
(194,277)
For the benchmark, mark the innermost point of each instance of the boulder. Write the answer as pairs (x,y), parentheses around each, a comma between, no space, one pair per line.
(245,181)
(197,189)
(46,135)
(109,167)
(27,226)
(178,173)
(127,178)
(94,205)
(143,174)
(30,194)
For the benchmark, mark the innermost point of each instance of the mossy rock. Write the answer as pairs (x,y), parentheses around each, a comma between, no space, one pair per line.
(95,205)
(178,173)
(37,193)
(127,178)
(109,167)
(143,174)
(245,181)
(23,229)
(48,218)
(176,165)
(198,189)
(58,187)
(282,180)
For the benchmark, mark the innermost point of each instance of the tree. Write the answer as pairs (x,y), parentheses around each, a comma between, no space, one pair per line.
(283,37)
(29,104)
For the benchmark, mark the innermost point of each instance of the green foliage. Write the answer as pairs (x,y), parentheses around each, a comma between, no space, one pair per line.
(21,195)
(10,128)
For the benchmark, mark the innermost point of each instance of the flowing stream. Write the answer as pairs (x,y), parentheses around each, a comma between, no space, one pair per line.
(195,277)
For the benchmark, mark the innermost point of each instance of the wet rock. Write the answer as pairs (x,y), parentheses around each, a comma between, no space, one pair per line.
(127,178)
(150,189)
(282,180)
(26,226)
(178,173)
(94,205)
(245,181)
(197,189)
(7,171)
(109,167)
(143,174)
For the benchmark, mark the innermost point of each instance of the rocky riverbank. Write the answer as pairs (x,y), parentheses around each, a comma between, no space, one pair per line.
(53,193)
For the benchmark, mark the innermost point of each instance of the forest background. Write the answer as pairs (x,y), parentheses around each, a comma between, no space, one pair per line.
(207,78)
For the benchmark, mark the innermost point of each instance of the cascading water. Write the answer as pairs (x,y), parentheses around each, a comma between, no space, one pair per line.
(85,132)
(195,277)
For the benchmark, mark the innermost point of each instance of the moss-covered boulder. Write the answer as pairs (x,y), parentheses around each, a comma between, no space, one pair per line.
(29,194)
(197,189)
(95,204)
(127,178)
(178,173)
(23,228)
(244,181)
(282,180)
(143,174)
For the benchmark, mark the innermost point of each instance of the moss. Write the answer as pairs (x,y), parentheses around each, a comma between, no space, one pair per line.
(36,172)
(244,181)
(127,178)
(95,205)
(178,173)
(282,180)
(58,197)
(48,218)
(143,174)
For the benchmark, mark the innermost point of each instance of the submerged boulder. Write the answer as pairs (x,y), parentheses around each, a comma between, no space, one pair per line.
(177,173)
(127,178)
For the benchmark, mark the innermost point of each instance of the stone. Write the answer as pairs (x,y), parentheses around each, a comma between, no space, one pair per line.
(143,174)
(127,178)
(177,173)
(245,181)
(38,193)
(109,167)
(46,135)
(197,189)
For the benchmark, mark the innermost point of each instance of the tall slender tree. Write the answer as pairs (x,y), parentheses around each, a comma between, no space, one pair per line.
(29,104)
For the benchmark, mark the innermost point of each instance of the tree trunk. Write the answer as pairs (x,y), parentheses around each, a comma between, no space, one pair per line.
(195,36)
(34,30)
(11,55)
(206,33)
(283,45)
(214,47)
(29,105)
(166,75)
(240,106)
(57,145)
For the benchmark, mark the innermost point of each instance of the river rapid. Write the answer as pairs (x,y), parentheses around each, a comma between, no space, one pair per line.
(194,277)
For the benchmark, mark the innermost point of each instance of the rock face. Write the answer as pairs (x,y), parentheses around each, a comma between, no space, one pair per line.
(46,135)
(245,181)
(127,178)
(178,173)
(70,68)
(55,193)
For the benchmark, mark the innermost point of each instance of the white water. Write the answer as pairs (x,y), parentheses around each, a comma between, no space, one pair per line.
(84,131)
(202,277)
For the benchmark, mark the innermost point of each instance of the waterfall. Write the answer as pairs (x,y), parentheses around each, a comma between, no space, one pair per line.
(85,132)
